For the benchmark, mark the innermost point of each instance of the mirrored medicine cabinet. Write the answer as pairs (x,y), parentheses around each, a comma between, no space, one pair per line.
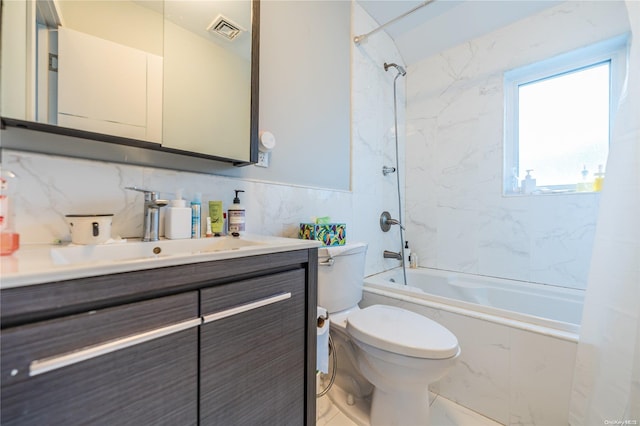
(169,83)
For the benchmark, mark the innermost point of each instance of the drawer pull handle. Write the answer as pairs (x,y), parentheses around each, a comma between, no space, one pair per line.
(246,307)
(59,361)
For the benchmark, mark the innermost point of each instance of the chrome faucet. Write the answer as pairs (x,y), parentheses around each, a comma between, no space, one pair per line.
(151,224)
(392,255)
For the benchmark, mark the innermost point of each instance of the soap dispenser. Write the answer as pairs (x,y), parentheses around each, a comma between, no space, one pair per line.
(237,216)
(528,183)
(598,180)
(584,185)
(177,219)
(407,254)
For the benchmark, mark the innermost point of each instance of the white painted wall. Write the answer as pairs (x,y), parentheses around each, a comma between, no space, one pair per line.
(457,217)
(304,64)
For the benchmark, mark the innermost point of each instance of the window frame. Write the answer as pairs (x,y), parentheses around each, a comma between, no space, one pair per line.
(613,50)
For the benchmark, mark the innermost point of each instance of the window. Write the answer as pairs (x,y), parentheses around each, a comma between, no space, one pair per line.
(557,118)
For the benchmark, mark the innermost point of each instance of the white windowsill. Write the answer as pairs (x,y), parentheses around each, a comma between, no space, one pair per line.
(550,192)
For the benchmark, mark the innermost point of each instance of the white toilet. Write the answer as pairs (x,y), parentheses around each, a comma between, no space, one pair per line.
(392,352)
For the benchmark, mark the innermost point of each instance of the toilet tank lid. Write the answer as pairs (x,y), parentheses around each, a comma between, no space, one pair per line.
(402,332)
(344,250)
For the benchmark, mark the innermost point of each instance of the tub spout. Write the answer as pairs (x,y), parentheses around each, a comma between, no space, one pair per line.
(392,255)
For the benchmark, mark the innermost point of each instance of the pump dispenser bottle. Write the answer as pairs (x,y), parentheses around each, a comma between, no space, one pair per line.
(598,180)
(584,186)
(407,253)
(177,219)
(528,183)
(237,216)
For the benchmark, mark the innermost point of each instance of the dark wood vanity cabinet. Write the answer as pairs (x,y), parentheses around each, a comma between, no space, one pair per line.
(237,348)
(252,352)
(153,382)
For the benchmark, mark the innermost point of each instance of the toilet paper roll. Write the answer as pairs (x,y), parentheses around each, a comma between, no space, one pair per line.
(322,359)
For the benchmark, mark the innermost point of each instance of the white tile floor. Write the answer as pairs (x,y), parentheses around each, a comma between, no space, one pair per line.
(443,413)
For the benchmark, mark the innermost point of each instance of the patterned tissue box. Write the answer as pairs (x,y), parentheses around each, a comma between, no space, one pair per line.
(330,234)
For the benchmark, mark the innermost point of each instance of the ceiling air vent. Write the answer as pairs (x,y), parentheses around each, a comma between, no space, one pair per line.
(225,27)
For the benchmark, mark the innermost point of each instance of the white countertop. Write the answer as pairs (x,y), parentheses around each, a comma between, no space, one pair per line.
(42,263)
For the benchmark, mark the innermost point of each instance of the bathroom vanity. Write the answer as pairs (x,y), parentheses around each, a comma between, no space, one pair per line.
(220,338)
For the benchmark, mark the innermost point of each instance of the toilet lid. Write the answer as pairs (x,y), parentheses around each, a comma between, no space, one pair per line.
(402,332)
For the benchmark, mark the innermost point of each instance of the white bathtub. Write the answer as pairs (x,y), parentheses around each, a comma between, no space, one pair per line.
(518,340)
(537,307)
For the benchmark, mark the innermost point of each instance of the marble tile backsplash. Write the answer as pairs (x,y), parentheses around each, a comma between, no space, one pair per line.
(51,187)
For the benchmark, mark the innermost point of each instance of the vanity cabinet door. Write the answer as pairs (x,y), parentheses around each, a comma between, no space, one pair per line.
(133,364)
(252,360)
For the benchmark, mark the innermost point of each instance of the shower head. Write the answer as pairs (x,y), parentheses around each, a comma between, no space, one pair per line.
(400,69)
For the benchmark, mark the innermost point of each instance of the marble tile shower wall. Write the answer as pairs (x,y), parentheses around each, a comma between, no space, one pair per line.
(52,186)
(373,138)
(457,217)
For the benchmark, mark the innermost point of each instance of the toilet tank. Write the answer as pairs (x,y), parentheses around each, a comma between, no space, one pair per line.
(341,276)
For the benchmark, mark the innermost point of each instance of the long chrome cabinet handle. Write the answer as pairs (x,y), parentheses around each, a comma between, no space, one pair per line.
(45,365)
(59,361)
(246,307)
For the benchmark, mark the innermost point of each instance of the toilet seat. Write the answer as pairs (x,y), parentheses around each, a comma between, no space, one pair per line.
(402,332)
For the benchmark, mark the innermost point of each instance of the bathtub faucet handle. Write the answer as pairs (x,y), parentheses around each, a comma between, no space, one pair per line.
(386,221)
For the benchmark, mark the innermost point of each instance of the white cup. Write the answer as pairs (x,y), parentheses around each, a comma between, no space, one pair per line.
(89,228)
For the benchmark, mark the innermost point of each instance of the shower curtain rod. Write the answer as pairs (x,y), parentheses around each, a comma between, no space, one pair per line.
(360,38)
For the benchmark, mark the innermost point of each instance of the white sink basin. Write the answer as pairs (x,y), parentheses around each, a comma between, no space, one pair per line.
(43,263)
(126,251)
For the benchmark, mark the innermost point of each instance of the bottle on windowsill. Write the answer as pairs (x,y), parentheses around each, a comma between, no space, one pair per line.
(584,186)
(528,183)
(598,180)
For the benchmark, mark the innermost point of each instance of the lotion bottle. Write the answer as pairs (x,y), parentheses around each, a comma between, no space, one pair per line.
(598,180)
(407,253)
(177,219)
(237,216)
(528,183)
(584,186)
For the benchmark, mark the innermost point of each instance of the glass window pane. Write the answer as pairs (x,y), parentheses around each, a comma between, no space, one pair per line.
(564,125)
